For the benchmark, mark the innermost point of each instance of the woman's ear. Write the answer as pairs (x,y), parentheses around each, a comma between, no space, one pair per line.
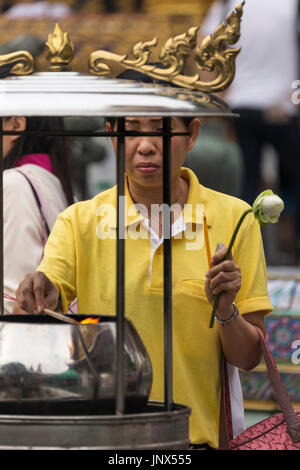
(11,124)
(112,139)
(17,123)
(193,129)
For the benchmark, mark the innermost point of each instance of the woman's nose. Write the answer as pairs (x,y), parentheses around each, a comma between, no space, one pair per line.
(147,145)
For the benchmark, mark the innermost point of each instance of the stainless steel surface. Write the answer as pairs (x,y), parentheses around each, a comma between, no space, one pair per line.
(77,94)
(49,367)
(154,428)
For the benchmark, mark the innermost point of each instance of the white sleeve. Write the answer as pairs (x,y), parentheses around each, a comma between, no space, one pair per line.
(213,18)
(236,400)
(22,232)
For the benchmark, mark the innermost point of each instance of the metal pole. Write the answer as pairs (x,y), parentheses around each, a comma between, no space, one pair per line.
(120,168)
(1,224)
(168,341)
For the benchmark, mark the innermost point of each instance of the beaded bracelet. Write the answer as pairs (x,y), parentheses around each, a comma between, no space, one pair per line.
(230,319)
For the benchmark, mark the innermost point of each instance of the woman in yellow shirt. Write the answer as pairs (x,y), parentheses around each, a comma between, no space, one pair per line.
(80,254)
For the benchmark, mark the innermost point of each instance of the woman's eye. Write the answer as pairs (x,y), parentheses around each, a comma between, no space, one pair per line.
(161,129)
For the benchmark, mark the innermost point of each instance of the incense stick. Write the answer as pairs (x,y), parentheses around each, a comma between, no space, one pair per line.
(207,245)
(60,316)
(51,313)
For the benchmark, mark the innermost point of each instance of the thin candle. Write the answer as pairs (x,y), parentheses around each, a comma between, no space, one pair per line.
(207,244)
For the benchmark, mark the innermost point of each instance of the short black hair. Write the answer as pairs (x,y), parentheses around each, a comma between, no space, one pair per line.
(129,74)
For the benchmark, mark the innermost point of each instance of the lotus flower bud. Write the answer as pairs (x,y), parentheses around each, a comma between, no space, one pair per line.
(267,207)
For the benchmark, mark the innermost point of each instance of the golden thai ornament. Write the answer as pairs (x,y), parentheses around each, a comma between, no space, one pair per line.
(59,50)
(22,60)
(213,54)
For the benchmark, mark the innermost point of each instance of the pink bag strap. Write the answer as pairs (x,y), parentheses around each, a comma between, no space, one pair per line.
(292,420)
(225,424)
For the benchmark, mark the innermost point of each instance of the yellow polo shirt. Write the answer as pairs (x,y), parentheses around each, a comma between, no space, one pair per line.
(80,258)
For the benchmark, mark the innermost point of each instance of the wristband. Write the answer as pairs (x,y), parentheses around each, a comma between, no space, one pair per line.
(59,303)
(230,319)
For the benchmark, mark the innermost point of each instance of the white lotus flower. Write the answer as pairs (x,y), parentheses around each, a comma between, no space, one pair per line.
(267,207)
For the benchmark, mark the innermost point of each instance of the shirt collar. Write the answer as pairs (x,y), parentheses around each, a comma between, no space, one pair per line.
(132,215)
(198,194)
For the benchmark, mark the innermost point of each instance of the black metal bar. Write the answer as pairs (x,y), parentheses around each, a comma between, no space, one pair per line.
(87,133)
(168,336)
(1,225)
(120,278)
(120,245)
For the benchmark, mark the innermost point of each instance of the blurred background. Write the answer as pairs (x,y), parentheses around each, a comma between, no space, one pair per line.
(242,157)
(114,25)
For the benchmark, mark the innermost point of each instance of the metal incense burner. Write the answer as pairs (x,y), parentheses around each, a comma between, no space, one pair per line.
(87,386)
(55,367)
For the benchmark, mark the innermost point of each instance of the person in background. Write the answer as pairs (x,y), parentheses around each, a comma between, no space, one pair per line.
(216,157)
(261,94)
(37,9)
(36,188)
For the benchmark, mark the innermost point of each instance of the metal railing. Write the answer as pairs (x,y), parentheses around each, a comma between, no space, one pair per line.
(121,133)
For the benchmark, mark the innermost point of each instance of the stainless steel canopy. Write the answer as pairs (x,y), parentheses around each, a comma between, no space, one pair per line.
(78,94)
